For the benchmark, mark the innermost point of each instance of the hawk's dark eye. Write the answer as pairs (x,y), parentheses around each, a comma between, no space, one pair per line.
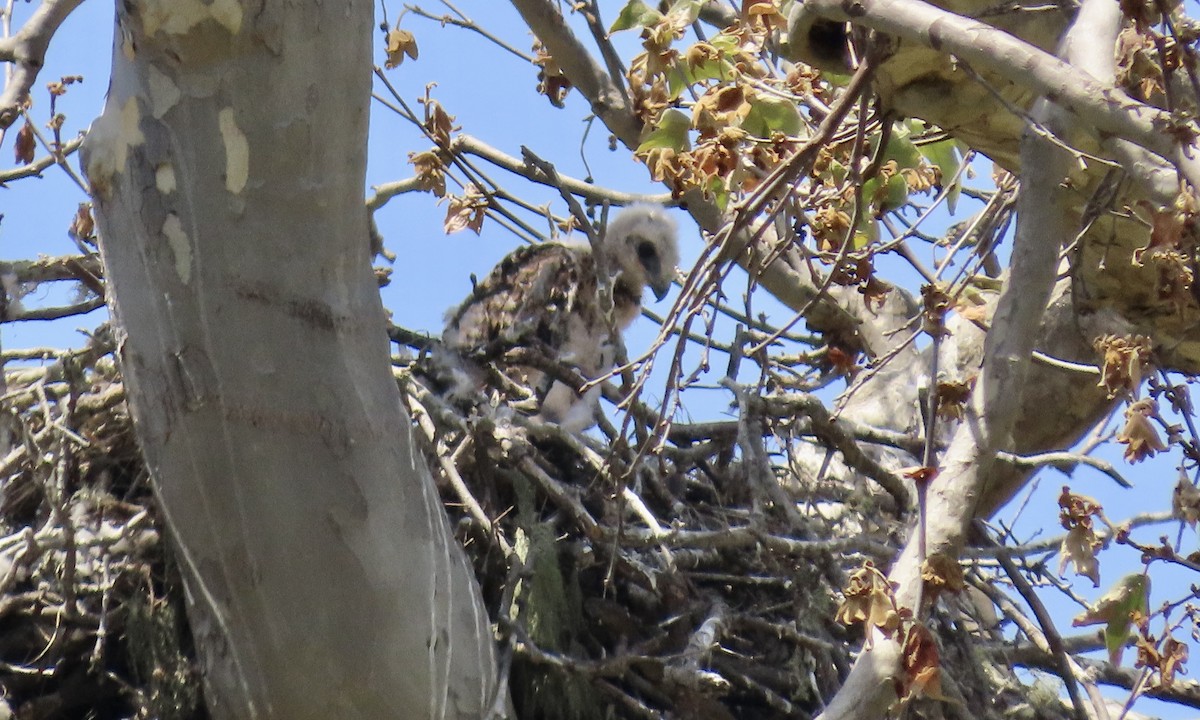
(646,251)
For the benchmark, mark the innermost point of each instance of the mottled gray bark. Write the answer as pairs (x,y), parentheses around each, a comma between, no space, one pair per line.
(228,171)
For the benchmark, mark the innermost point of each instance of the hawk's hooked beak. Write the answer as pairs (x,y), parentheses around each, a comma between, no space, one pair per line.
(661,285)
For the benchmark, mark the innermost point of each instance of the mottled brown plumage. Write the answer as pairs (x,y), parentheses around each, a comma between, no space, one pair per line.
(546,296)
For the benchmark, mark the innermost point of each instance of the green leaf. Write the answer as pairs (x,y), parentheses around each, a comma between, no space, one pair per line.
(885,196)
(1114,609)
(707,70)
(686,75)
(726,43)
(769,114)
(901,149)
(685,12)
(944,154)
(635,14)
(866,234)
(672,132)
(837,172)
(719,192)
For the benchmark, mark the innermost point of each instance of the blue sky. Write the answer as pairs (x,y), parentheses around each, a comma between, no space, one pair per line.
(492,95)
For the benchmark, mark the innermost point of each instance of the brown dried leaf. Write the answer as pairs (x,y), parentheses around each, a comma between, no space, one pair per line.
(762,15)
(842,361)
(869,598)
(1137,66)
(921,661)
(466,212)
(952,398)
(83,226)
(58,88)
(922,178)
(1173,659)
(935,302)
(400,43)
(1124,359)
(431,171)
(551,81)
(1076,509)
(650,99)
(1166,230)
(829,226)
(1185,501)
(25,144)
(1139,434)
(719,108)
(874,292)
(1174,277)
(674,169)
(438,123)
(942,573)
(1079,547)
(921,475)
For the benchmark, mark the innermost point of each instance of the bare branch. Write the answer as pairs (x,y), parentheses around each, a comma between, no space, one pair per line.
(27,51)
(840,436)
(1049,636)
(1065,461)
(37,167)
(474,146)
(548,24)
(1184,692)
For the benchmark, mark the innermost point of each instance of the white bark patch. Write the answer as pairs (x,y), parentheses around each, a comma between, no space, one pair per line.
(164,178)
(178,17)
(237,152)
(163,93)
(181,246)
(109,141)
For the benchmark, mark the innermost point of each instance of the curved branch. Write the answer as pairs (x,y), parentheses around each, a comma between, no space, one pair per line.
(27,51)
(954,496)
(474,146)
(1095,104)
(548,24)
(35,168)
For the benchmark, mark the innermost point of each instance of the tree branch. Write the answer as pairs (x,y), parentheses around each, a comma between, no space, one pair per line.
(38,166)
(1098,105)
(548,24)
(474,146)
(27,51)
(954,495)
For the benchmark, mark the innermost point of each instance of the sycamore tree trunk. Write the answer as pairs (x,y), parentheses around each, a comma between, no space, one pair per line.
(228,173)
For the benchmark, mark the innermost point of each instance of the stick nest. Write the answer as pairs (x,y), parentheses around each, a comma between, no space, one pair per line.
(689,573)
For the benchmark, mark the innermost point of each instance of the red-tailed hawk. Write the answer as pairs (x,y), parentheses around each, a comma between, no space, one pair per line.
(547,296)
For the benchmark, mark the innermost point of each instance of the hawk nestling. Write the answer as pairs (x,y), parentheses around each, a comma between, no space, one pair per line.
(547,295)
